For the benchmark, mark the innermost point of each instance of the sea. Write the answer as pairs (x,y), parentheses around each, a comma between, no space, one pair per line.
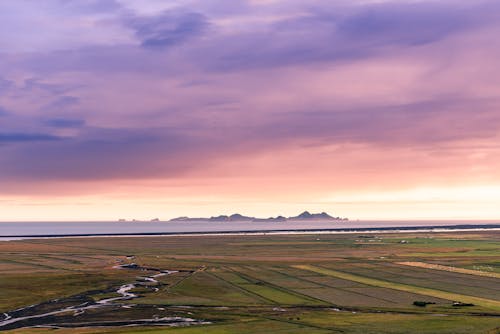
(16,230)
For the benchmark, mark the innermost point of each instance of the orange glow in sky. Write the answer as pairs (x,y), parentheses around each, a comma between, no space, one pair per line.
(364,109)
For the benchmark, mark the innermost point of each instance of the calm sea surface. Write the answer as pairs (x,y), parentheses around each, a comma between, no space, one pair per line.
(12,229)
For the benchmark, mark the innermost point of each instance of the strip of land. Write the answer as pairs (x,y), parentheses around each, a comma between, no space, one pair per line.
(450,269)
(488,303)
(267,231)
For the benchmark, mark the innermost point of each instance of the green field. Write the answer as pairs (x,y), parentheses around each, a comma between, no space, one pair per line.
(350,283)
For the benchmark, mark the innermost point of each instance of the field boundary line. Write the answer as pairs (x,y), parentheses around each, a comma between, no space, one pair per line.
(324,285)
(270,286)
(182,279)
(282,289)
(243,290)
(248,292)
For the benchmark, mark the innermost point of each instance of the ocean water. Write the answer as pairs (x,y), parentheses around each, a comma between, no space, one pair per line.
(18,229)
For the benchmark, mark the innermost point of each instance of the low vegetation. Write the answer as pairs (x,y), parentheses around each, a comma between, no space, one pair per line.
(259,284)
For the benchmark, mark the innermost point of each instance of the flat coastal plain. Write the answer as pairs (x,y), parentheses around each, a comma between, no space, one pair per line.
(327,283)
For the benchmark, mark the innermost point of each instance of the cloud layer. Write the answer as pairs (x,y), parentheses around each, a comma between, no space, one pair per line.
(110,91)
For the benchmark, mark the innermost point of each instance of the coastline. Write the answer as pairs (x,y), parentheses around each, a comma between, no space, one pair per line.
(392,229)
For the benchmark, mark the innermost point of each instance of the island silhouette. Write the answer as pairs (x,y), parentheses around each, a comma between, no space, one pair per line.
(236,217)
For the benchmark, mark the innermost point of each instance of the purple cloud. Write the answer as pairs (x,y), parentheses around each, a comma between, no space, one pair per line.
(90,6)
(65,123)
(3,111)
(4,85)
(61,103)
(322,33)
(329,33)
(408,24)
(409,125)
(6,138)
(168,29)
(169,152)
(95,154)
(162,92)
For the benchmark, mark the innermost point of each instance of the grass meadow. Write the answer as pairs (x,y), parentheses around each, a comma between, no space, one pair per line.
(328,283)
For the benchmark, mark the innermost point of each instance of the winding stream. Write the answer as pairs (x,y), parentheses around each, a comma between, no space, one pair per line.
(9,318)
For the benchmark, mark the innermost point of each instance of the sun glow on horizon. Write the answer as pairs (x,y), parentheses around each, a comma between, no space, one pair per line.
(427,203)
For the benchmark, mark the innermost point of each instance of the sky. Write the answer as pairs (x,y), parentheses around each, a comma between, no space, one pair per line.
(367,109)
